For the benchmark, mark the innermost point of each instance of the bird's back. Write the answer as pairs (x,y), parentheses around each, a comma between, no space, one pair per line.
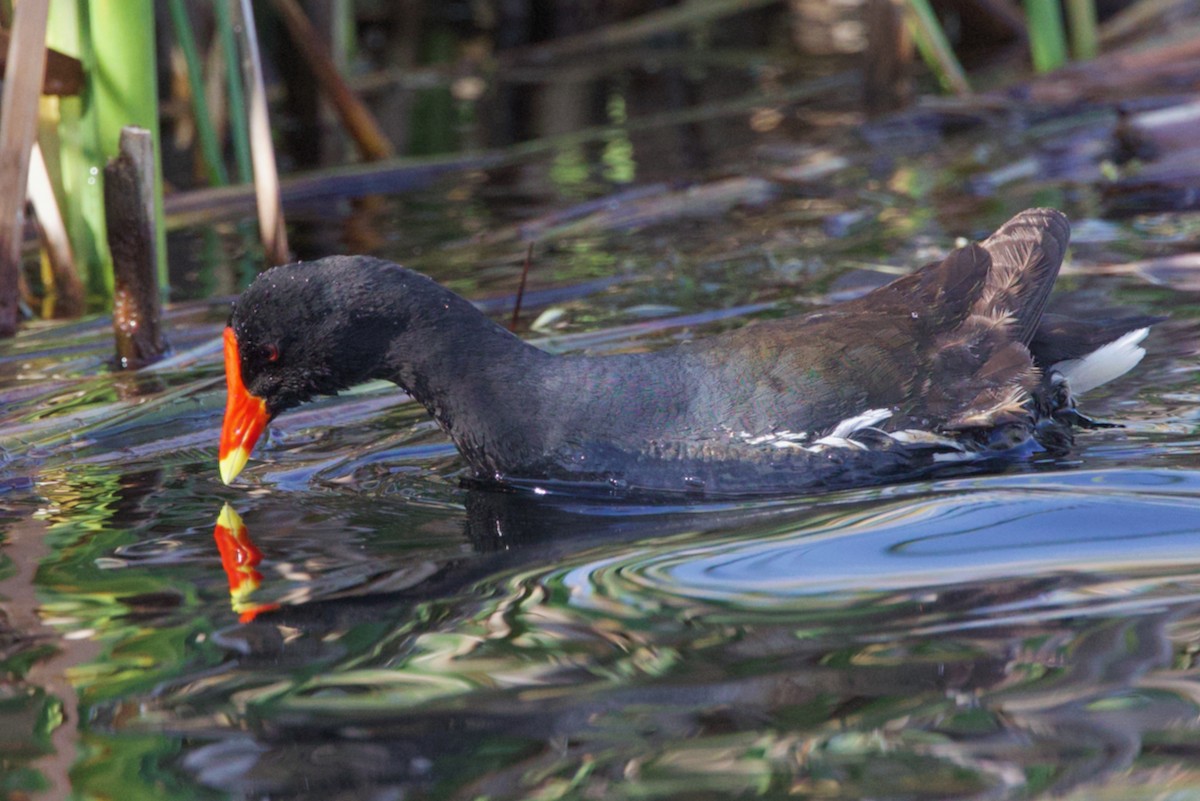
(944,346)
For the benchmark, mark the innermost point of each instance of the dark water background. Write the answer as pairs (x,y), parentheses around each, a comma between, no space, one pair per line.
(378,631)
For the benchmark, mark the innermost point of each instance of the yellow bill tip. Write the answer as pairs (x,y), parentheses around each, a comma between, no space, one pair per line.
(232,463)
(228,518)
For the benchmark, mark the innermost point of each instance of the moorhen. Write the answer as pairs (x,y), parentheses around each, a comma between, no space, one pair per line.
(954,364)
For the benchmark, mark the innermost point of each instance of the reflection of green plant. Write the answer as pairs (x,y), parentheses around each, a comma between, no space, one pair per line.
(30,717)
(19,664)
(74,586)
(144,622)
(138,660)
(620,164)
(17,780)
(133,767)
(434,126)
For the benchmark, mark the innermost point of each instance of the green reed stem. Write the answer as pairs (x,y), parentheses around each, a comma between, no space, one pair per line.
(935,48)
(238,120)
(1047,41)
(1085,39)
(210,149)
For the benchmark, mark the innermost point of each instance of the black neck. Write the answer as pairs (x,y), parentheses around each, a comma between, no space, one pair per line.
(478,380)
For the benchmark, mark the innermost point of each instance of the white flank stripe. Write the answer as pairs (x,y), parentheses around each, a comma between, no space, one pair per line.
(851,424)
(837,442)
(1104,363)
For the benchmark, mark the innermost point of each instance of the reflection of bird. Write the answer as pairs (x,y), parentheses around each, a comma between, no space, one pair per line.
(943,365)
(240,558)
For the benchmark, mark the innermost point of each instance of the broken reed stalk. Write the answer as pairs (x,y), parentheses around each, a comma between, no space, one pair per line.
(935,49)
(65,296)
(887,69)
(266,176)
(18,127)
(133,242)
(357,119)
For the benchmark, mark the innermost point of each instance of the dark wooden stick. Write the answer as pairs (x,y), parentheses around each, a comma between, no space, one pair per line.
(512,326)
(887,74)
(64,74)
(358,120)
(129,208)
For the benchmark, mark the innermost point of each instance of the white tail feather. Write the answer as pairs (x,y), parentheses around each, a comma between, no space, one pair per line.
(1104,363)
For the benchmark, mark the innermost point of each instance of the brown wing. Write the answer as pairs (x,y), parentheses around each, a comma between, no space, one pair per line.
(1026,253)
(949,343)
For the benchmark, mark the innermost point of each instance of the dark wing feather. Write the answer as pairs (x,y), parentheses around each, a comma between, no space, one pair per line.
(939,296)
(1026,253)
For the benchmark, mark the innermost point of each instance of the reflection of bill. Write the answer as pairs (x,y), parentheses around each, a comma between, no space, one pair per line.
(240,558)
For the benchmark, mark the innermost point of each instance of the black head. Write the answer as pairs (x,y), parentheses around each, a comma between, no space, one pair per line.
(315,328)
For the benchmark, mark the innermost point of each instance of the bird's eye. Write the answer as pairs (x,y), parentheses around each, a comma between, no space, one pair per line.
(271,352)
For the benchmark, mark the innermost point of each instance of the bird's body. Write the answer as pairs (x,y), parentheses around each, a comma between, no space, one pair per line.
(948,364)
